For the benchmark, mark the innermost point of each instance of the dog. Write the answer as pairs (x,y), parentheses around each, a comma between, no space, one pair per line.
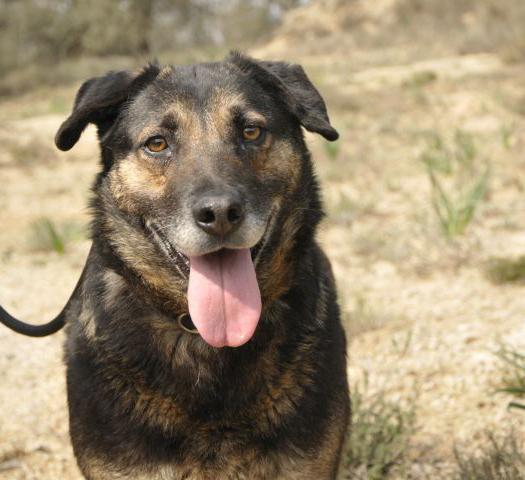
(203,338)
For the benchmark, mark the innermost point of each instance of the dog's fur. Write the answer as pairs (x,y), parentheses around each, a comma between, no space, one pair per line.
(148,400)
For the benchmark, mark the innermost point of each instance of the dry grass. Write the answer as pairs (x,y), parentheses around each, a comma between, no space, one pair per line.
(501,459)
(379,437)
(25,152)
(421,28)
(506,270)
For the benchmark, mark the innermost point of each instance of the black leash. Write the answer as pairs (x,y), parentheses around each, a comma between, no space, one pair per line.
(33,330)
(39,330)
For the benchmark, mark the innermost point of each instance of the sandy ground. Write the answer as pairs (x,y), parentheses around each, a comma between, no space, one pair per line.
(422,317)
(34,441)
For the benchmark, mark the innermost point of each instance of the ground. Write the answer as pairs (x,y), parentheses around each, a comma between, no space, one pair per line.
(422,316)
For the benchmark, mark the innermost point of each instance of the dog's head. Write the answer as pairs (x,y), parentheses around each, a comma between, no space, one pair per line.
(200,162)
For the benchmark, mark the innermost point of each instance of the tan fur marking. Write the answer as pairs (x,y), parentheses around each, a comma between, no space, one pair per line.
(139,253)
(223,101)
(280,160)
(134,179)
(87,321)
(165,73)
(187,121)
(297,467)
(236,469)
(219,112)
(322,465)
(115,286)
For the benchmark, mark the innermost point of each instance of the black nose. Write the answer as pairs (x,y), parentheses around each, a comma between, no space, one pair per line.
(218,214)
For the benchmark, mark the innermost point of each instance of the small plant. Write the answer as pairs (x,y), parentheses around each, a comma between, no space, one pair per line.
(437,157)
(455,215)
(501,459)
(456,167)
(332,150)
(506,270)
(514,377)
(401,343)
(47,236)
(507,136)
(420,79)
(379,436)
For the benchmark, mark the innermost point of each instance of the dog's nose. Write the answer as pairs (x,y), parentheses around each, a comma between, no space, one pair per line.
(218,214)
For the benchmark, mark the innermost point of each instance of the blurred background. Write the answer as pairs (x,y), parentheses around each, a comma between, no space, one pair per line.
(425,196)
(75,38)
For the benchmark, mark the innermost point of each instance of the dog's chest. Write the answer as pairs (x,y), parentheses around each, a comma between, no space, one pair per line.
(249,468)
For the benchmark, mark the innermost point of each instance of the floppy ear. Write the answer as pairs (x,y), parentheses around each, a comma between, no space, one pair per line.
(99,101)
(294,87)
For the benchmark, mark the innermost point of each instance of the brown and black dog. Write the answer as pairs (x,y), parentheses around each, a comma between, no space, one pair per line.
(203,337)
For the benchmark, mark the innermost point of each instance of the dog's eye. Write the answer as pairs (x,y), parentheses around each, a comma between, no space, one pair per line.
(156,144)
(252,133)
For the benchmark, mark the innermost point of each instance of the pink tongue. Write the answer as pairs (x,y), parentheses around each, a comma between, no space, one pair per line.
(223,297)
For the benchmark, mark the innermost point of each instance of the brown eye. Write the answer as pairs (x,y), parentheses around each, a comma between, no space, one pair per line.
(251,134)
(156,144)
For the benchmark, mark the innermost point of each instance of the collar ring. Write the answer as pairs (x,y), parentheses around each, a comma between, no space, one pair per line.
(184,321)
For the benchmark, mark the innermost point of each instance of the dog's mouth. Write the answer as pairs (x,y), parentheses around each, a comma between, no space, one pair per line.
(179,260)
(224,300)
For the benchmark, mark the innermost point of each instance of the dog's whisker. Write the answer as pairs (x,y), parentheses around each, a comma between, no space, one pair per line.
(170,250)
(266,236)
(161,228)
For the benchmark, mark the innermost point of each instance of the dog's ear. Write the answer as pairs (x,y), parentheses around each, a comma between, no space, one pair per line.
(99,101)
(293,86)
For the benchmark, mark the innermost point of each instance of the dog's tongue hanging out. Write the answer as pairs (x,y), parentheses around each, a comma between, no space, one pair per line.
(223,297)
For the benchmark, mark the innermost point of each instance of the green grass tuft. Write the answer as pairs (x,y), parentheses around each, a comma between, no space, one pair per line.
(379,436)
(47,236)
(513,380)
(456,214)
(332,149)
(501,459)
(420,79)
(457,186)
(506,270)
(507,136)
